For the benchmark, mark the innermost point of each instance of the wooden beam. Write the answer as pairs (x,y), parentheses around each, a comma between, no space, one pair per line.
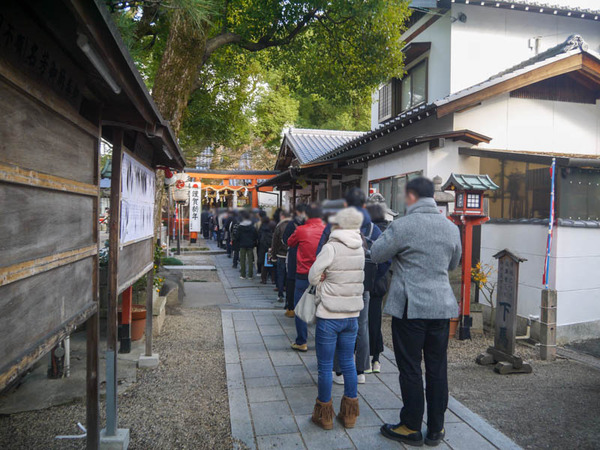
(569,64)
(9,374)
(15,272)
(329,186)
(10,173)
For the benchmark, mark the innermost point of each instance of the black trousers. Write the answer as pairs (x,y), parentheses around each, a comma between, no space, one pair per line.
(375,335)
(414,339)
(290,288)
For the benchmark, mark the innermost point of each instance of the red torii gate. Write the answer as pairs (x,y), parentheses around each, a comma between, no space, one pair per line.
(254,176)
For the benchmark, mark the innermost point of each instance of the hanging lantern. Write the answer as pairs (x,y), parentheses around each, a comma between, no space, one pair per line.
(181,189)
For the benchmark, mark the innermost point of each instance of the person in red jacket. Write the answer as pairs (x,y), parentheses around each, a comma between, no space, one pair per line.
(306,239)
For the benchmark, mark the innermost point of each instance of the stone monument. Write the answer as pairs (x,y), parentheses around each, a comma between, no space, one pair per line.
(503,352)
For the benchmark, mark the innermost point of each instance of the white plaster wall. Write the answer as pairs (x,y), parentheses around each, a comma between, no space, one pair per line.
(444,161)
(577,274)
(404,161)
(528,241)
(535,125)
(493,40)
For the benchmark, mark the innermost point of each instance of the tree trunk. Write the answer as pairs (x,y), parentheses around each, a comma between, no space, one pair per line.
(178,69)
(173,85)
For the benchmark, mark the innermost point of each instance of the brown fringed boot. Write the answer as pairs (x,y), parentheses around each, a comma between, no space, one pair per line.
(323,414)
(348,411)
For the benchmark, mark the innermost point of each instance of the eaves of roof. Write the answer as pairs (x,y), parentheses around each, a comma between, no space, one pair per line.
(535,6)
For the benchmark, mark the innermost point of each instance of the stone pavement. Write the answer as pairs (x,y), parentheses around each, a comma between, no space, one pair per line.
(272,389)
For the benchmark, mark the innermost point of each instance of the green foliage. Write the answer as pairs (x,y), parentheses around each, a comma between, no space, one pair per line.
(170,261)
(305,63)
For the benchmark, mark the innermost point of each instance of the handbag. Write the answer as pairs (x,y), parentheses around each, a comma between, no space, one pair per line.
(268,262)
(306,309)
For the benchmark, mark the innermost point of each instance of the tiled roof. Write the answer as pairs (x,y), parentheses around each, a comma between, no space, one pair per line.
(477,182)
(309,145)
(573,45)
(569,8)
(553,5)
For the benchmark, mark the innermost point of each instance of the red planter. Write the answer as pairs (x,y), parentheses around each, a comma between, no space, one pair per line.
(138,321)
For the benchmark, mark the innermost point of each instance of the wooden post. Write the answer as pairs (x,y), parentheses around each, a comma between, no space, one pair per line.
(329,186)
(255,198)
(126,305)
(93,402)
(149,298)
(465,304)
(293,208)
(113,258)
(313,196)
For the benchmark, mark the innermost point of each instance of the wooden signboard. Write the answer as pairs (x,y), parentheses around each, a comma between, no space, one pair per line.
(49,194)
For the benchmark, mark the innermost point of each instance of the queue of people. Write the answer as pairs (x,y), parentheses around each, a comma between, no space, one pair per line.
(357,263)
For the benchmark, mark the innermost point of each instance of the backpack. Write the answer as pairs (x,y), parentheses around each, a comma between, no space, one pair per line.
(235,235)
(370,266)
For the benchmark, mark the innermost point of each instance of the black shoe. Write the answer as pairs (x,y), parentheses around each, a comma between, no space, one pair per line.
(414,438)
(433,439)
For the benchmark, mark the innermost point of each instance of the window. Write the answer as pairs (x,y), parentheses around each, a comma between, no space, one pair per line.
(524,189)
(414,87)
(386,101)
(473,201)
(393,190)
(578,193)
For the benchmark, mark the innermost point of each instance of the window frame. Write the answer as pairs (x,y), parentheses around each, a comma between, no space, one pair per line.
(424,61)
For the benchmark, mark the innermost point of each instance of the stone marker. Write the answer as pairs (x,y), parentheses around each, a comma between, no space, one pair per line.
(502,353)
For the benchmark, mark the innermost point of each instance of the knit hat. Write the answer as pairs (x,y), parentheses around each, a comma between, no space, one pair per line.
(348,219)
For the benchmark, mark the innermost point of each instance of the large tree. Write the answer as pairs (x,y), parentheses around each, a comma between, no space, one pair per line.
(338,50)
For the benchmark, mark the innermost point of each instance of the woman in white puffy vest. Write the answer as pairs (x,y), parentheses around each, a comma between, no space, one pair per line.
(338,273)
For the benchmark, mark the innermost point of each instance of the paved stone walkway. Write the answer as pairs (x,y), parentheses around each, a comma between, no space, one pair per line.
(272,389)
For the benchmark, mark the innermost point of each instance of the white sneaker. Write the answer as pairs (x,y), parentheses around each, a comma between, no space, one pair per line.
(369,370)
(376,367)
(338,379)
(362,379)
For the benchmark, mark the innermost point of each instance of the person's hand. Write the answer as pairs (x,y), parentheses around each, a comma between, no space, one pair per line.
(323,276)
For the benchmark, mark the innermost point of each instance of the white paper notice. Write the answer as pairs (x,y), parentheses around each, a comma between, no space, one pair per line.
(137,200)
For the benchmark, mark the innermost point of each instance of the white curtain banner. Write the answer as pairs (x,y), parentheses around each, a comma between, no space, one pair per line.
(137,200)
(195,206)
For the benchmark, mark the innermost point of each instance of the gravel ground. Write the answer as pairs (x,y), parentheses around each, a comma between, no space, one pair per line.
(182,404)
(557,406)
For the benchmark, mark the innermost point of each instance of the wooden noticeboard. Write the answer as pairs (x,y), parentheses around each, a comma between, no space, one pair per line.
(48,227)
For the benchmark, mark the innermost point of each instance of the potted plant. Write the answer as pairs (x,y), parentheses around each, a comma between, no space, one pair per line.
(481,275)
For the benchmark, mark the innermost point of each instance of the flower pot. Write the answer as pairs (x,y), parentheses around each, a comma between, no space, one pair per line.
(138,321)
(453,327)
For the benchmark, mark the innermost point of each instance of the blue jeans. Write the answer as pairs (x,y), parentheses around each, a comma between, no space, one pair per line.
(301,327)
(337,334)
(281,276)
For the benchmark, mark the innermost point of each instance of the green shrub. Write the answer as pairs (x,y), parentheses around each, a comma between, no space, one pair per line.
(170,261)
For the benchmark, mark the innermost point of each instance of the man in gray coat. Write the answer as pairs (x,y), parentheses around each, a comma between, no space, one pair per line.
(423,245)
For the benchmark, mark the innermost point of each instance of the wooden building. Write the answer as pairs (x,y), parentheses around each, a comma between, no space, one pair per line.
(66,80)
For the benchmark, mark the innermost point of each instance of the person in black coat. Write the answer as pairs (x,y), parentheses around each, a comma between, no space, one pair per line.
(290,283)
(377,213)
(248,238)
